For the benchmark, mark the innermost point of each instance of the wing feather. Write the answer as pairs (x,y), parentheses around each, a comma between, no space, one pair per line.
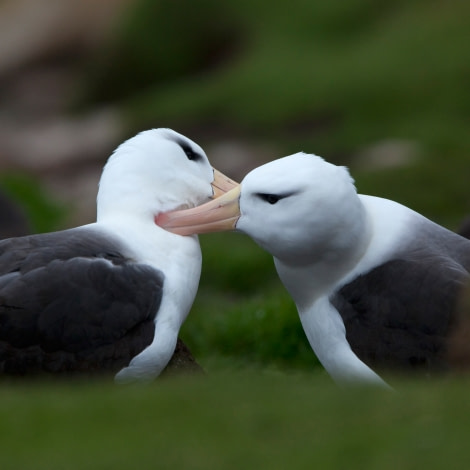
(71,301)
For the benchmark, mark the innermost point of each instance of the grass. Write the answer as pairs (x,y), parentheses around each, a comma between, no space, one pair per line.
(234,421)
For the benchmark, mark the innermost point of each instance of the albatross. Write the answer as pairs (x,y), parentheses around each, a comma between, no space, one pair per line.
(111,295)
(374,282)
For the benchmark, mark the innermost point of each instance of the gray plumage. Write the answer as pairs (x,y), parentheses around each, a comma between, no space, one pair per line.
(73,301)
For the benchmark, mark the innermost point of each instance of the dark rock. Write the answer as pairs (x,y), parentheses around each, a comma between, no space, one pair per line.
(182,362)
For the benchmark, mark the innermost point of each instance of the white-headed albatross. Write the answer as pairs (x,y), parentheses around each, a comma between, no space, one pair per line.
(112,295)
(374,282)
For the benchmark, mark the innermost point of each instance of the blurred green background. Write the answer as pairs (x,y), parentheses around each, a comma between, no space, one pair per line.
(381,87)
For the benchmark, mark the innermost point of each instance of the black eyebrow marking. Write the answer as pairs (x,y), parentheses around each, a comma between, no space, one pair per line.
(188,150)
(272,198)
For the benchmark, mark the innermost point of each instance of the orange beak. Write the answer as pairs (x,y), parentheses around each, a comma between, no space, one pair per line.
(218,215)
(221,184)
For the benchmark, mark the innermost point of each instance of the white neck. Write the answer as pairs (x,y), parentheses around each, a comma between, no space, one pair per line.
(114,199)
(309,279)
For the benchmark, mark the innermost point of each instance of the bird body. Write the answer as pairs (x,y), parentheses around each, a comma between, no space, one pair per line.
(374,282)
(111,295)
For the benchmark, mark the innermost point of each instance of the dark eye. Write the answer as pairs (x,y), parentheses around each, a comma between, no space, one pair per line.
(190,153)
(270,198)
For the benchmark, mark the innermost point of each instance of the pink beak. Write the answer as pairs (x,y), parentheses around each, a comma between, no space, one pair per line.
(218,215)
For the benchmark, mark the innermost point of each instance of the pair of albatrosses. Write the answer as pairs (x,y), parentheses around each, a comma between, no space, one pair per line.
(376,284)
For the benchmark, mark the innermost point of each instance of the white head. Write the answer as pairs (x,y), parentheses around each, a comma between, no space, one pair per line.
(157,170)
(300,208)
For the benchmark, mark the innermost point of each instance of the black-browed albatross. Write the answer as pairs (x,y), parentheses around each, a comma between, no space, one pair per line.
(374,282)
(111,295)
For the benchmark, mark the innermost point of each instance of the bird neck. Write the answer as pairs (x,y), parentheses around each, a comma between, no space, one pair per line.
(308,279)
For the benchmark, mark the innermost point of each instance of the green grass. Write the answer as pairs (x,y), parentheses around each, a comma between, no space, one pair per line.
(234,421)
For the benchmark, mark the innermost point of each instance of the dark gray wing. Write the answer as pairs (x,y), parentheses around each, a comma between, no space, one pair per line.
(399,314)
(72,301)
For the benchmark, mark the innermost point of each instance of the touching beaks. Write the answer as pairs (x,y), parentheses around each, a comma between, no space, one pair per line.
(221,184)
(220,214)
